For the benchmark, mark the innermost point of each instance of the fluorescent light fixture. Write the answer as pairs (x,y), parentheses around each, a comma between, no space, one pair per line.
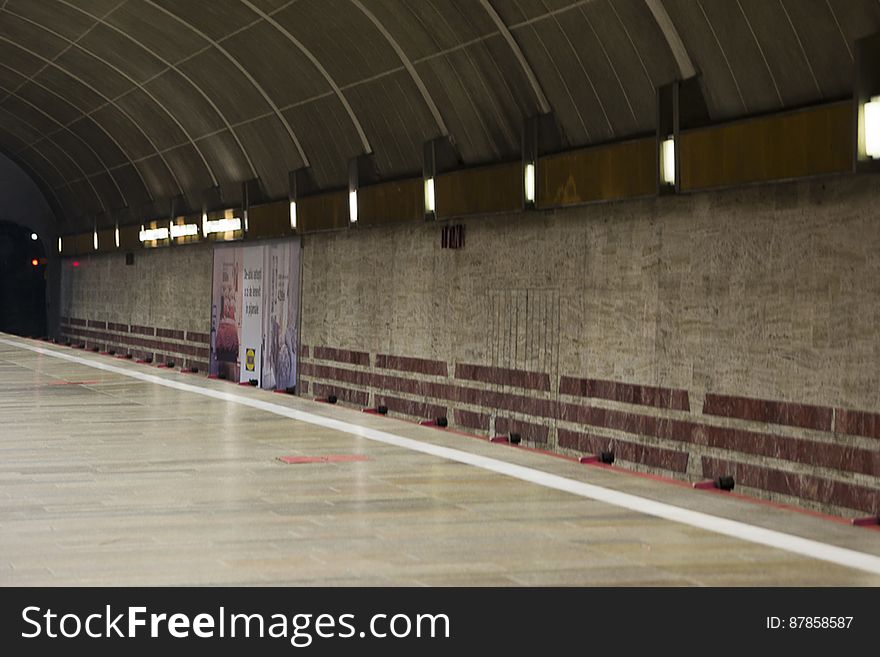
(204,223)
(293,215)
(353,206)
(59,245)
(872,128)
(220,225)
(116,236)
(430,205)
(667,161)
(95,240)
(153,234)
(184,230)
(34,237)
(529,182)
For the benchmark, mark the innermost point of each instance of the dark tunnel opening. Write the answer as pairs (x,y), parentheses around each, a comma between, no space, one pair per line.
(23,275)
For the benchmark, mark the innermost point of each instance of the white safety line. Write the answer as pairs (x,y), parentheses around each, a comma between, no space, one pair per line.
(740,530)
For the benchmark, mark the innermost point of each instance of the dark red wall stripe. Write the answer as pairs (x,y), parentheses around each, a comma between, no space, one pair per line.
(834,456)
(104,337)
(345,394)
(143,330)
(174,334)
(537,433)
(771,412)
(857,423)
(808,487)
(471,420)
(627,393)
(412,408)
(342,355)
(503,376)
(657,457)
(408,364)
(807,452)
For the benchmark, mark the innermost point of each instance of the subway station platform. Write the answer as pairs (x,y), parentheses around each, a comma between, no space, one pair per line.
(118,473)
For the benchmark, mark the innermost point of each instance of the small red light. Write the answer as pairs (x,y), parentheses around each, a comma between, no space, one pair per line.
(35,262)
(76,263)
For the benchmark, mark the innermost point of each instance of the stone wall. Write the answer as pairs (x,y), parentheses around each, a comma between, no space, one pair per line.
(726,332)
(160,306)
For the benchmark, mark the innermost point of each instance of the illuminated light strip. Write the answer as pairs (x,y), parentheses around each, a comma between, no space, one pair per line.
(739,530)
(184,230)
(667,159)
(293,215)
(353,206)
(530,183)
(430,204)
(221,225)
(872,128)
(153,234)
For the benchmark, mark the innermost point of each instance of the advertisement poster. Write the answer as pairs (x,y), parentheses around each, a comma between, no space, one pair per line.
(226,313)
(251,346)
(280,315)
(254,313)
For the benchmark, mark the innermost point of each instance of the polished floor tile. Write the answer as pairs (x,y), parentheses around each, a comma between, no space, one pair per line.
(106,479)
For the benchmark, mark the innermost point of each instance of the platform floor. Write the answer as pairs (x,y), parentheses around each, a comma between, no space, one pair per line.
(108,479)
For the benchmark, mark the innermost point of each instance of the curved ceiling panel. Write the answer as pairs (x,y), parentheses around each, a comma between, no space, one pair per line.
(327,136)
(118,106)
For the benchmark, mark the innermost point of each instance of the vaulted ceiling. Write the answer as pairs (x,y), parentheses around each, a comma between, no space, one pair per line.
(117,106)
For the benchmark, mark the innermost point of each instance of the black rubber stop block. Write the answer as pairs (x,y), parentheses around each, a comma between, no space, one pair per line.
(725,483)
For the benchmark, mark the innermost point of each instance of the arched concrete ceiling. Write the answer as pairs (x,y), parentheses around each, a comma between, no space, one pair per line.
(115,107)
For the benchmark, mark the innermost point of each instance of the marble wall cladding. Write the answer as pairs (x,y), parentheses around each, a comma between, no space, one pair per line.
(767,292)
(166,289)
(733,330)
(159,307)
(691,333)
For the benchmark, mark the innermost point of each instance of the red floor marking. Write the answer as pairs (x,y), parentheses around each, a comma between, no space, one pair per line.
(73,383)
(869,521)
(329,458)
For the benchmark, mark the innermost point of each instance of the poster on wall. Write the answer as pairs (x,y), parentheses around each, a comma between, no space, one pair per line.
(226,301)
(250,350)
(280,316)
(254,313)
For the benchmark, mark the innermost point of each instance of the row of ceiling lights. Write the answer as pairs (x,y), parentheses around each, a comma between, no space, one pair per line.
(667,177)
